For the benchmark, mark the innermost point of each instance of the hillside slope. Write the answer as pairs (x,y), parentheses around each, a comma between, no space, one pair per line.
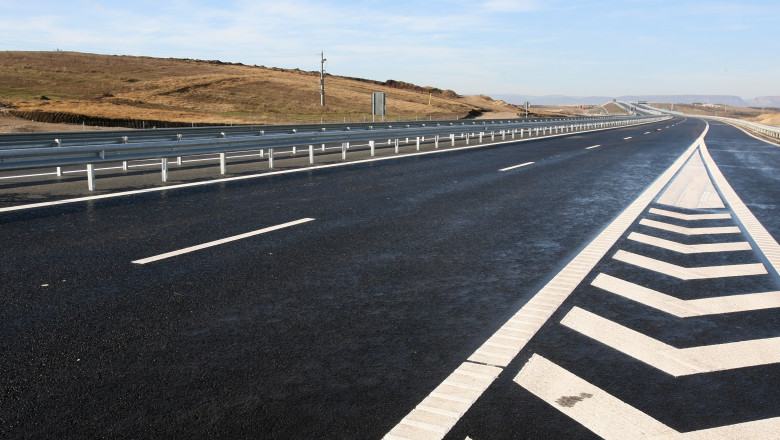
(71,87)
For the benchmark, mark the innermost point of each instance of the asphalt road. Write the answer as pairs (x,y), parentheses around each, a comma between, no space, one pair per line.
(332,328)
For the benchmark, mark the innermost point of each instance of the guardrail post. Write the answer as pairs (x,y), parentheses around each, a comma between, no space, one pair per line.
(91,176)
(372,145)
(492,135)
(270,158)
(311,154)
(222,164)
(164,169)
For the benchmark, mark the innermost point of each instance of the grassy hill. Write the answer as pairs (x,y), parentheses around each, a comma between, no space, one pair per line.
(127,90)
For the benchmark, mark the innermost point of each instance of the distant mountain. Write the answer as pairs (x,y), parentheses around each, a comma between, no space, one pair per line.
(766,101)
(552,99)
(763,101)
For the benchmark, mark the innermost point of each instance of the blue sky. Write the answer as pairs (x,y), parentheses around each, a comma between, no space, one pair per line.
(530,47)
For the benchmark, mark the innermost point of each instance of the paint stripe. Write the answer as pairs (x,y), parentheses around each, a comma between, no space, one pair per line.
(690,217)
(525,323)
(690,273)
(689,248)
(221,241)
(627,138)
(763,239)
(453,396)
(595,146)
(687,308)
(612,419)
(690,231)
(517,166)
(671,360)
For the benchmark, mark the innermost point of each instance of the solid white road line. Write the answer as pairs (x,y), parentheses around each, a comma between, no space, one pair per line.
(690,273)
(690,231)
(595,146)
(690,217)
(683,248)
(763,239)
(674,361)
(221,241)
(685,309)
(612,419)
(517,166)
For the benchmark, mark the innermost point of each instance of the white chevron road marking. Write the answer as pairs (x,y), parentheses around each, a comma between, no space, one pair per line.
(611,418)
(690,231)
(685,309)
(690,217)
(690,273)
(674,361)
(683,248)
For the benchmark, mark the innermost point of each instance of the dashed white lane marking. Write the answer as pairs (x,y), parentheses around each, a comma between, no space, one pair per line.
(690,273)
(516,332)
(594,146)
(690,231)
(683,248)
(627,138)
(685,309)
(612,419)
(647,132)
(517,166)
(221,241)
(690,217)
(671,360)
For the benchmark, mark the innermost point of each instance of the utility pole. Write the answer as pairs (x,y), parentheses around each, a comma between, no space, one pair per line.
(322,78)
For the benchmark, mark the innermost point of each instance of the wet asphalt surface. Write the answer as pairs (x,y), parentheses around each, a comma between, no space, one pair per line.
(337,328)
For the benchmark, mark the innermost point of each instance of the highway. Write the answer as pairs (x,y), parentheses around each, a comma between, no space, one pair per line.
(330,303)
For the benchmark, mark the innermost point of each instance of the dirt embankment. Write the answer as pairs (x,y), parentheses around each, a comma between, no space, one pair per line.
(69,87)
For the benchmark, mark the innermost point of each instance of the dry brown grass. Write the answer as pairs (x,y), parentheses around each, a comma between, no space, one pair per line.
(142,88)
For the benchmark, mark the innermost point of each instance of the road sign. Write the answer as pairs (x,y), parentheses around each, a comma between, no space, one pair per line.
(378,105)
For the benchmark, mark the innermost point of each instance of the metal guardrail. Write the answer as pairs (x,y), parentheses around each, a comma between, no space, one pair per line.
(39,140)
(62,155)
(766,130)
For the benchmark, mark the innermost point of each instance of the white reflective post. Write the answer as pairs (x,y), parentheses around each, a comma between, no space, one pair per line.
(372,145)
(222,164)
(396,146)
(311,154)
(418,143)
(164,169)
(270,158)
(452,139)
(91,176)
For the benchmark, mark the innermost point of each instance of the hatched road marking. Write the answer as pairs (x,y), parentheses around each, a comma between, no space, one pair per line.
(590,406)
(613,419)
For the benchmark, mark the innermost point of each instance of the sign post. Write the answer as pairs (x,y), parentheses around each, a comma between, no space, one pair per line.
(378,105)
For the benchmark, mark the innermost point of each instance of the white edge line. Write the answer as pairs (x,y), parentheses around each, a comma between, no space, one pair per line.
(517,166)
(291,171)
(221,241)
